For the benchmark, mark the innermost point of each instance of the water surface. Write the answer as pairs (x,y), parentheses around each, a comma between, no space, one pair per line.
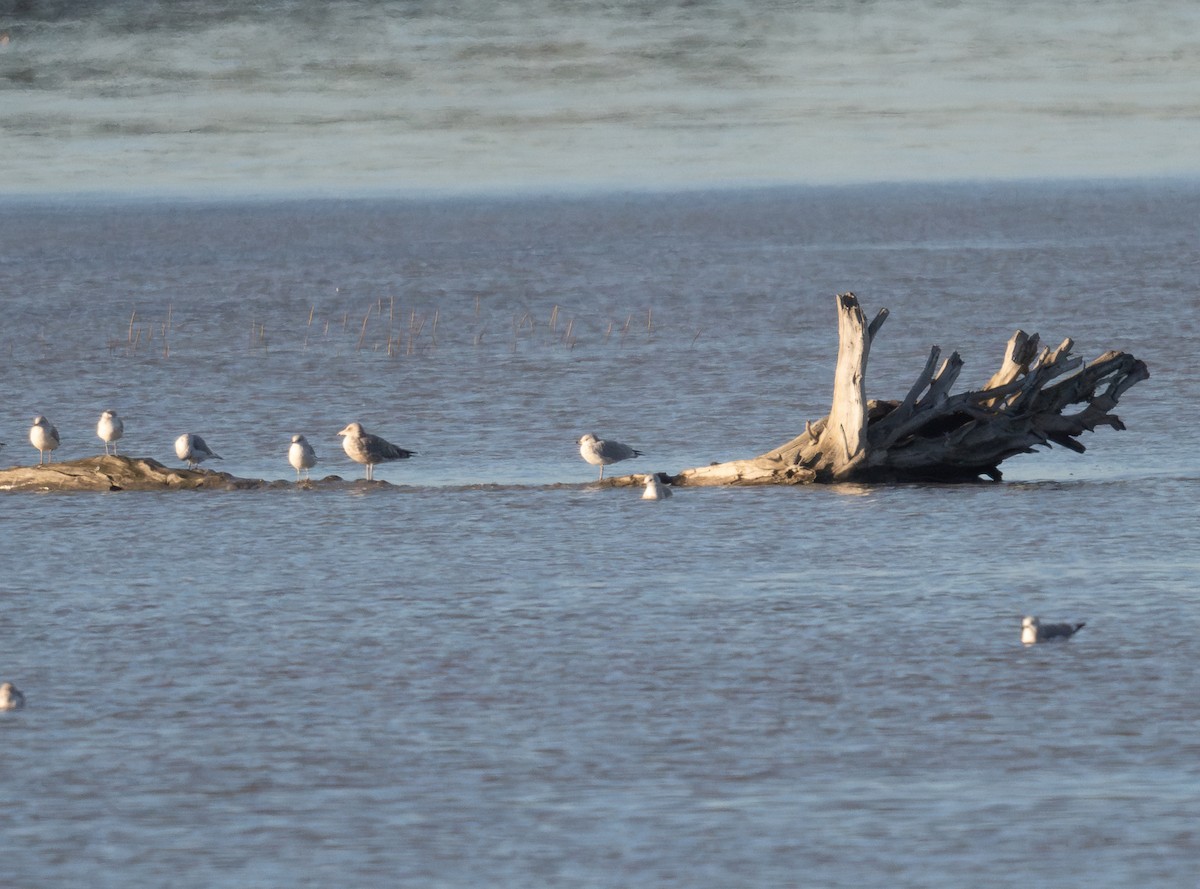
(489,673)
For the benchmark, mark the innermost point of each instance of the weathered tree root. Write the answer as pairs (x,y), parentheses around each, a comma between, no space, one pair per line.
(932,435)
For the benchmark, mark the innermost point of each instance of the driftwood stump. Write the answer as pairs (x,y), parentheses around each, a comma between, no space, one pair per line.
(932,435)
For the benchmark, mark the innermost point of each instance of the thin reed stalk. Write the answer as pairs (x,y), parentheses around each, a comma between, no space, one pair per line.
(363,334)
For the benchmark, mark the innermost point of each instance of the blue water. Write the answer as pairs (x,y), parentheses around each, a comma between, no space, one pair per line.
(399,97)
(487,672)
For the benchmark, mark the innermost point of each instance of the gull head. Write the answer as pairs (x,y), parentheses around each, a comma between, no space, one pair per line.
(1029,630)
(355,429)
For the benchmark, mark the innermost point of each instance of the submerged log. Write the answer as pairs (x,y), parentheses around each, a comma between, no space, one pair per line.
(930,434)
(113,473)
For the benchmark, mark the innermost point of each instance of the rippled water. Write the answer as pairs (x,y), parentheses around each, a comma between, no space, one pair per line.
(408,96)
(488,673)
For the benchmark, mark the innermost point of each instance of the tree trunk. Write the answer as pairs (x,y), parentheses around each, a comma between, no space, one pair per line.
(931,434)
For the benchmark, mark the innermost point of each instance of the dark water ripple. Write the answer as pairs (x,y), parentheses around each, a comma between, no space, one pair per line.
(479,676)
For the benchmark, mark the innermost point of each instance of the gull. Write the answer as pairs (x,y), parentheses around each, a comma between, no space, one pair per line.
(43,435)
(11,697)
(192,448)
(655,489)
(110,428)
(301,455)
(601,453)
(1033,630)
(362,447)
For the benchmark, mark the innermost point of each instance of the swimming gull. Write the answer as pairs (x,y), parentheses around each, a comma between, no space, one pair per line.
(11,697)
(602,453)
(110,428)
(44,436)
(655,489)
(301,455)
(1033,630)
(192,448)
(362,447)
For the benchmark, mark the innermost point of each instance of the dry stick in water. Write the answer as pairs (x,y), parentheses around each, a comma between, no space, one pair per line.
(362,335)
(391,322)
(650,320)
(131,319)
(416,323)
(554,319)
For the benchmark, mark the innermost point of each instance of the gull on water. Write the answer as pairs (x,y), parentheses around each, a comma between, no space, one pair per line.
(362,447)
(43,435)
(1033,630)
(301,455)
(11,697)
(191,448)
(603,453)
(110,428)
(655,489)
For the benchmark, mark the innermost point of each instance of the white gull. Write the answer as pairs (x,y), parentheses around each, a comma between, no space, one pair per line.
(191,448)
(603,453)
(301,455)
(362,447)
(11,697)
(109,429)
(43,435)
(1033,630)
(655,489)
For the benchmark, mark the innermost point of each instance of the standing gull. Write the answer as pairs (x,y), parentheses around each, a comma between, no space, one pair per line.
(601,453)
(1033,630)
(11,697)
(110,428)
(655,489)
(192,448)
(362,447)
(43,435)
(301,455)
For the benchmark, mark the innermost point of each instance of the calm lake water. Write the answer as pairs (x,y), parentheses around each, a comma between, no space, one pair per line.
(238,96)
(488,673)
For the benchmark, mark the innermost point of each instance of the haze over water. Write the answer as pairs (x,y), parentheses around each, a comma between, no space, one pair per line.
(237,98)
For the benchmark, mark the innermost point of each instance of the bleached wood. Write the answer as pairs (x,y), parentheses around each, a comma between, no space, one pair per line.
(931,433)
